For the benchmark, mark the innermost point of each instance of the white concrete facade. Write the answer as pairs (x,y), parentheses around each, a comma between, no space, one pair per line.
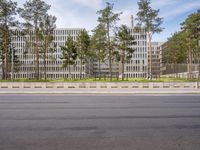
(55,67)
(137,66)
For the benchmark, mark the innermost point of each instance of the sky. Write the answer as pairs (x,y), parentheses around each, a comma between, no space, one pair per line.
(82,13)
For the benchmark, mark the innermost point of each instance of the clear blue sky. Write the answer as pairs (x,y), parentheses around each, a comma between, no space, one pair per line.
(82,13)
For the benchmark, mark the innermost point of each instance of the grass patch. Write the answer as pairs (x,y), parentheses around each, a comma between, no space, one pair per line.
(105,80)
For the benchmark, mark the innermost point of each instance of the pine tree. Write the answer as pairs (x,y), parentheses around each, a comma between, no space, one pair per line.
(7,21)
(125,41)
(83,42)
(33,12)
(191,27)
(148,18)
(109,19)
(47,27)
(69,54)
(98,46)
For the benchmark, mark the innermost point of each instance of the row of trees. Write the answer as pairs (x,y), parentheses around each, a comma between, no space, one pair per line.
(74,50)
(111,43)
(37,30)
(7,21)
(184,46)
(108,42)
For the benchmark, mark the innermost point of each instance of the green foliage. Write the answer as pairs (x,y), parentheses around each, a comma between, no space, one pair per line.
(124,40)
(148,17)
(7,21)
(33,13)
(149,20)
(7,15)
(98,43)
(47,26)
(107,16)
(94,80)
(192,25)
(16,61)
(46,36)
(109,19)
(83,42)
(184,42)
(183,46)
(69,53)
(191,28)
(176,49)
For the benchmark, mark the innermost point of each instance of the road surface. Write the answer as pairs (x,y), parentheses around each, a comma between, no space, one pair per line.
(99,122)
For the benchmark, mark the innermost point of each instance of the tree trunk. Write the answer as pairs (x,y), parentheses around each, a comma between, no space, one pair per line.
(6,56)
(36,52)
(27,71)
(198,74)
(45,57)
(99,69)
(45,69)
(123,55)
(37,63)
(5,63)
(81,61)
(69,70)
(123,71)
(189,63)
(174,72)
(3,68)
(109,49)
(150,52)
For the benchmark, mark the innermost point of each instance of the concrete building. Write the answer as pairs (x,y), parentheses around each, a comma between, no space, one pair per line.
(137,67)
(54,63)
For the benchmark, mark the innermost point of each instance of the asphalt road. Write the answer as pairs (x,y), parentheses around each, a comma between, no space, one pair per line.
(99,122)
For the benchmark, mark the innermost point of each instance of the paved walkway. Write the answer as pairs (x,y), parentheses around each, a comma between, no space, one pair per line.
(103,91)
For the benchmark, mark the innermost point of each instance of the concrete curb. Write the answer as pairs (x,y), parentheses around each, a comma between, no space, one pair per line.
(100,91)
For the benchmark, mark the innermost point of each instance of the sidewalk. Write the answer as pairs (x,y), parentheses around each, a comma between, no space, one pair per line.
(101,91)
